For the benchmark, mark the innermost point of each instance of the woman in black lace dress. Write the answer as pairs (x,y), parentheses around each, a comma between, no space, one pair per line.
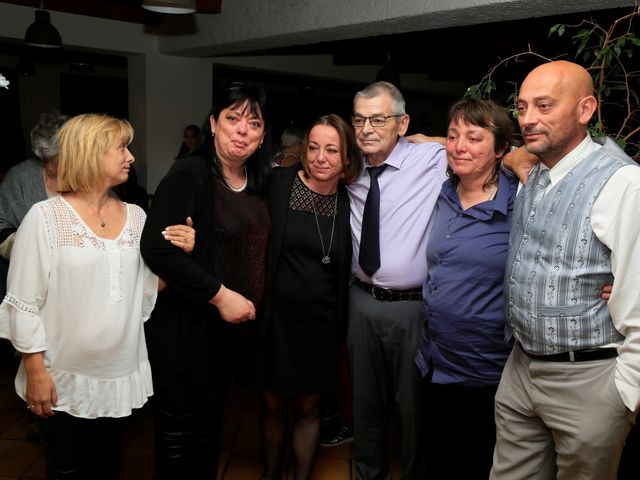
(308,268)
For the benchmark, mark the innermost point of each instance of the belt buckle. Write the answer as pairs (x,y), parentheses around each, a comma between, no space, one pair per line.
(380,295)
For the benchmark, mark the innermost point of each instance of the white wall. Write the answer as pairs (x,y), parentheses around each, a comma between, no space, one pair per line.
(165,92)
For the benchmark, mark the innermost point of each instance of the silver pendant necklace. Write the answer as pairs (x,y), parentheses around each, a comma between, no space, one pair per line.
(326,259)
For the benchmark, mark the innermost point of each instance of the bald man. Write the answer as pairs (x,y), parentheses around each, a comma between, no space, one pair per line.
(571,387)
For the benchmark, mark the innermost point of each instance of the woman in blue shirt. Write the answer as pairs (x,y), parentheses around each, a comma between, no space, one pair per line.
(463,350)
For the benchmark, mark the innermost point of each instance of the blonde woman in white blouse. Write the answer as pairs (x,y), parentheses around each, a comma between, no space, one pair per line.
(78,293)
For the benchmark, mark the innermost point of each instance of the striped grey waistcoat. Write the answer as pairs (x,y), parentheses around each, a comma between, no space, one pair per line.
(556,266)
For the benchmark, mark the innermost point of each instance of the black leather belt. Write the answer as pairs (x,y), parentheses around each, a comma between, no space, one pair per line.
(585,355)
(389,295)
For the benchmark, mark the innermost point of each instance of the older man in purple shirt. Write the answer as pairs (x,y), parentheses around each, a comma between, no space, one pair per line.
(385,311)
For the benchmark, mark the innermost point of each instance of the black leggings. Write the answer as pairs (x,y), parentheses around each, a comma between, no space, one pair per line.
(80,448)
(187,426)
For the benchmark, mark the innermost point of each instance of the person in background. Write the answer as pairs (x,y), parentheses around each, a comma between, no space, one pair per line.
(576,359)
(191,141)
(78,294)
(193,334)
(25,184)
(30,181)
(131,192)
(463,351)
(291,148)
(308,274)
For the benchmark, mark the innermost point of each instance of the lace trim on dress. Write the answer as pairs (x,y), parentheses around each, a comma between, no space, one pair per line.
(21,306)
(65,228)
(303,199)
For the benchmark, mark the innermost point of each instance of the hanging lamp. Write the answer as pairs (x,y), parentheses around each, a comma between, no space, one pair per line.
(170,6)
(42,33)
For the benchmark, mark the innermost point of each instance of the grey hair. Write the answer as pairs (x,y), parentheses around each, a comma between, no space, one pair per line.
(383,88)
(291,136)
(44,142)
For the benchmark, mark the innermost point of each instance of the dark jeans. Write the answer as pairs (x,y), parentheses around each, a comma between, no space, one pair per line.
(80,448)
(187,426)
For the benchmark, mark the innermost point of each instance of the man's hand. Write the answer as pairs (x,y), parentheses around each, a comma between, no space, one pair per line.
(520,162)
(420,138)
(233,307)
(606,292)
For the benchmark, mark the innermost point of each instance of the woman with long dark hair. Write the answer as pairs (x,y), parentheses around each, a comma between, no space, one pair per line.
(219,285)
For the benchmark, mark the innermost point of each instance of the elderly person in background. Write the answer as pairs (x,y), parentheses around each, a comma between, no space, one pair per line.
(291,147)
(30,181)
(191,332)
(463,351)
(307,283)
(78,293)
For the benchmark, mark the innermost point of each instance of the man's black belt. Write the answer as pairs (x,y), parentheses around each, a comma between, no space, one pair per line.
(389,295)
(585,355)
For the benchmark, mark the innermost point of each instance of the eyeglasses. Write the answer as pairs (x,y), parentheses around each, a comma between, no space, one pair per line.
(376,121)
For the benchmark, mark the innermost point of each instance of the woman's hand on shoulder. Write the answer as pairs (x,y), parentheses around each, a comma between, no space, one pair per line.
(41,393)
(182,236)
(233,307)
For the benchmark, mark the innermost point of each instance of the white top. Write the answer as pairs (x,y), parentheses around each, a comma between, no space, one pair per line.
(614,220)
(82,300)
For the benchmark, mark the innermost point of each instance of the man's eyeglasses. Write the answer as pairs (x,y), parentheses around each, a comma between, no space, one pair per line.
(376,121)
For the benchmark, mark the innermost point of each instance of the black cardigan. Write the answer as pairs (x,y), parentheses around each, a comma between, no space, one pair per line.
(183,331)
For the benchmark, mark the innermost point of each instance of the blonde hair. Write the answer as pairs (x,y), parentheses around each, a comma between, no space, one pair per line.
(83,141)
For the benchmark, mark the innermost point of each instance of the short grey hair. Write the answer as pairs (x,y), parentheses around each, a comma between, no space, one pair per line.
(291,136)
(44,141)
(383,88)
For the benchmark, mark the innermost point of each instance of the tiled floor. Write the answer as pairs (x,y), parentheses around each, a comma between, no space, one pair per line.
(240,458)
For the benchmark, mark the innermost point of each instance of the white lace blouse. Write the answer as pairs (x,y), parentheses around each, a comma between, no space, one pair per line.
(82,300)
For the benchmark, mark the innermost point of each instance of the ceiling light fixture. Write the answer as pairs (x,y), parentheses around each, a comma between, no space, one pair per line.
(170,6)
(41,33)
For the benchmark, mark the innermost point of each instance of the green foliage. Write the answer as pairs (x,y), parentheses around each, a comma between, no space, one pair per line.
(607,52)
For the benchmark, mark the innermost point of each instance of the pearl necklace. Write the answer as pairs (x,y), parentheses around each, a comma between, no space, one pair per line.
(241,187)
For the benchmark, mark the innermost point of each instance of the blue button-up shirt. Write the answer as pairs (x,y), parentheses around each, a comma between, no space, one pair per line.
(464,320)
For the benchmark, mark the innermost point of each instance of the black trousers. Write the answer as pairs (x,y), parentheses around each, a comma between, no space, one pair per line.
(187,419)
(80,448)
(459,432)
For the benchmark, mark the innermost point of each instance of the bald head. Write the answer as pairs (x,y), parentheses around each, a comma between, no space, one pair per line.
(555,105)
(569,78)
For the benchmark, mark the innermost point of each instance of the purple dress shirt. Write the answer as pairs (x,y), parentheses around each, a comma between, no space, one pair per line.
(409,188)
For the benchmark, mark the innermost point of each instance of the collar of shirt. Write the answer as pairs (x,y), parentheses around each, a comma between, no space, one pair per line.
(485,210)
(575,156)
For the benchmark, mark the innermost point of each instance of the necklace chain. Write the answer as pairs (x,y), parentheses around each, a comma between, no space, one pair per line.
(103,223)
(326,259)
(492,191)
